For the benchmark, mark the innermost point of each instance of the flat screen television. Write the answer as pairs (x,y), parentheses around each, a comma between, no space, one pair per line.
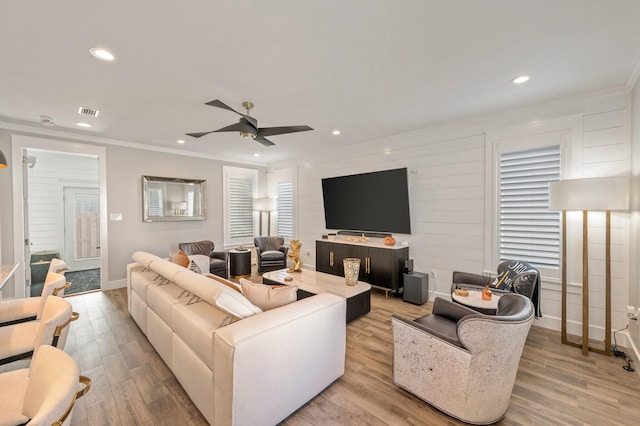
(376,201)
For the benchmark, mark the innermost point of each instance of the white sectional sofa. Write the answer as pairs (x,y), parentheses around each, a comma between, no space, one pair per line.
(239,365)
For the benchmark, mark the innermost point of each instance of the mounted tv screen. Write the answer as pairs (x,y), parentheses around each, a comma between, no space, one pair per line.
(377,201)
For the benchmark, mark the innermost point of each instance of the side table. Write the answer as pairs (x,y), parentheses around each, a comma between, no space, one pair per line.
(474,301)
(239,263)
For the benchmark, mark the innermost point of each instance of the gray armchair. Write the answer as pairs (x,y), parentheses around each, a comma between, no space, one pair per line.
(460,361)
(514,276)
(271,252)
(218,260)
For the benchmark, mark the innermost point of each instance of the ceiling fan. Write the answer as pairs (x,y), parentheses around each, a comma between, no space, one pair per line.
(247,126)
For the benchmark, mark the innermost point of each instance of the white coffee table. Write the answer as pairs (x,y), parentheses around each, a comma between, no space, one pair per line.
(474,301)
(311,283)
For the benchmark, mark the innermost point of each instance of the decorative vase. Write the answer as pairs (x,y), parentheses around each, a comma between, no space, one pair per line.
(389,241)
(351,270)
(486,293)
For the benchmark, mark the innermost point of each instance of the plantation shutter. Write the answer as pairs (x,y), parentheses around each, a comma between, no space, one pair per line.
(529,231)
(240,207)
(285,209)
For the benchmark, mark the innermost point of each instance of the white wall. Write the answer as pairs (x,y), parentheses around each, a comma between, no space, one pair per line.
(451,194)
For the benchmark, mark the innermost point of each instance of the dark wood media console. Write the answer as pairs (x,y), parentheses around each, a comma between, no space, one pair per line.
(380,265)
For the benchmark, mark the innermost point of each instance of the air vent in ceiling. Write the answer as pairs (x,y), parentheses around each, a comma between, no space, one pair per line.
(88,111)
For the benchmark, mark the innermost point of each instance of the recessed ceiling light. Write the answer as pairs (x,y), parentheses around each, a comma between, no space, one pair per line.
(83,125)
(335,132)
(102,54)
(180,141)
(520,79)
(256,155)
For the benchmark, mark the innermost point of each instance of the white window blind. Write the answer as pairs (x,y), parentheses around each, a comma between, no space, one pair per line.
(240,207)
(285,209)
(529,231)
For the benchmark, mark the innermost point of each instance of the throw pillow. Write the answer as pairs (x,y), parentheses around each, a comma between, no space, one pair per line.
(194,267)
(266,297)
(180,258)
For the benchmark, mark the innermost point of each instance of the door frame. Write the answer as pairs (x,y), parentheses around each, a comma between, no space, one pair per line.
(18,144)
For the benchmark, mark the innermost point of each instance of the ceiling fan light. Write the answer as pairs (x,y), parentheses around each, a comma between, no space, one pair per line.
(248,135)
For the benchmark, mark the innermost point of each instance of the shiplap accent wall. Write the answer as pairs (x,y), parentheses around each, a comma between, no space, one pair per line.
(446,190)
(51,173)
(449,190)
(606,151)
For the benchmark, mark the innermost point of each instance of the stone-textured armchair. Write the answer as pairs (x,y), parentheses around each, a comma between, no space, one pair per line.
(460,361)
(218,260)
(271,253)
(514,276)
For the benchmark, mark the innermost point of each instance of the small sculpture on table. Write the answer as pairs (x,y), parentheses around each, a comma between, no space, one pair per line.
(486,293)
(294,256)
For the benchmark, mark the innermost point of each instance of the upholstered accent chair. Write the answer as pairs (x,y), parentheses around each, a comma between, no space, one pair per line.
(44,393)
(462,362)
(514,276)
(20,341)
(271,252)
(30,308)
(218,260)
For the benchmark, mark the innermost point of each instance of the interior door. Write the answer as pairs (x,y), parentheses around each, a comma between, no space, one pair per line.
(82,228)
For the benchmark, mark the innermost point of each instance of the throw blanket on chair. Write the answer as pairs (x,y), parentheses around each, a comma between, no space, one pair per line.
(522,278)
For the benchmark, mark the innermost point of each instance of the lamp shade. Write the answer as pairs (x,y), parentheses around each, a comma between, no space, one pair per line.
(3,161)
(264,204)
(593,194)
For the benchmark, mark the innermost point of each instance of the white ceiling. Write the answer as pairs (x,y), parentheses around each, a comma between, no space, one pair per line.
(369,68)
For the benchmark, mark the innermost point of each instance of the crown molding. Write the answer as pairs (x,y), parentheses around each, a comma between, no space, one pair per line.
(29,130)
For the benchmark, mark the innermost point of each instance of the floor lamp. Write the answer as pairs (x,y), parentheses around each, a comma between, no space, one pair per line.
(265,205)
(589,194)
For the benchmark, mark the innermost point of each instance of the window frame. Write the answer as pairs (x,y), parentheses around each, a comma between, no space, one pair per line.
(519,138)
(239,173)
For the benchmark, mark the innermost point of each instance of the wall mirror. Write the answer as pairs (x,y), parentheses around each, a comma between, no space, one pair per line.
(173,199)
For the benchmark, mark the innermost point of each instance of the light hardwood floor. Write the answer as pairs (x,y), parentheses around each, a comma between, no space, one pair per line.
(555,385)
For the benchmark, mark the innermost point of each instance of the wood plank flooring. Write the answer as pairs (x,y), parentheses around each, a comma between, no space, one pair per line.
(555,385)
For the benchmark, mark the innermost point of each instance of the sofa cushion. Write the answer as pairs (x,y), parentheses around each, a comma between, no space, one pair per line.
(144,258)
(272,255)
(140,280)
(217,294)
(161,297)
(195,323)
(267,297)
(200,261)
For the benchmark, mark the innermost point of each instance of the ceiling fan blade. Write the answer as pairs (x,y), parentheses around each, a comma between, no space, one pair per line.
(219,104)
(198,135)
(263,141)
(236,127)
(272,131)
